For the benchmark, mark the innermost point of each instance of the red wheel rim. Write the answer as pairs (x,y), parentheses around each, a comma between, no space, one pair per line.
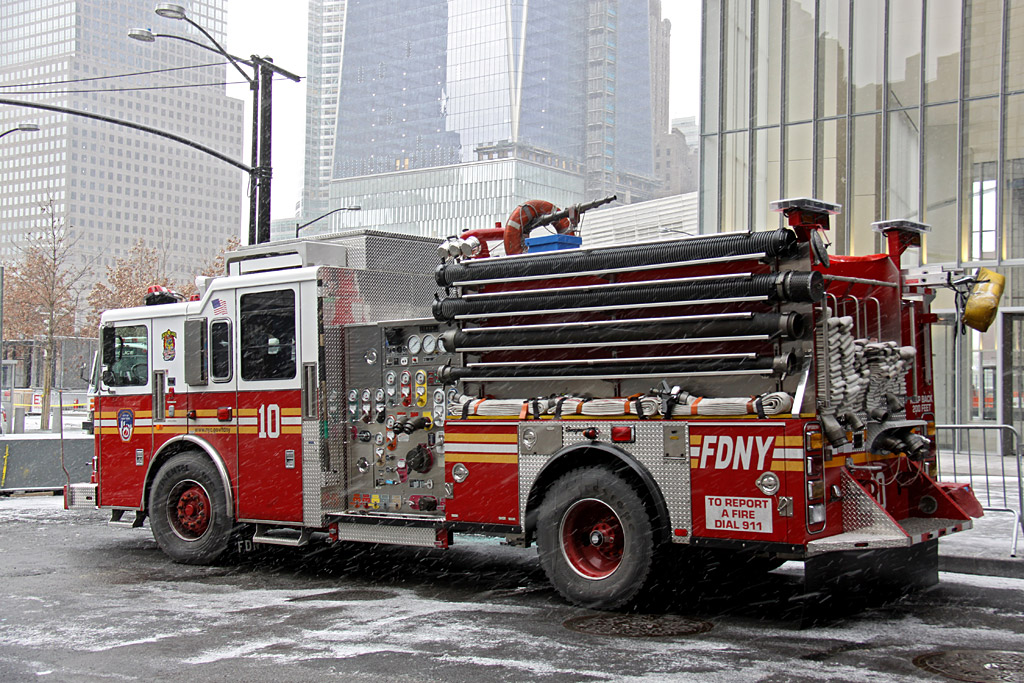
(592,539)
(189,510)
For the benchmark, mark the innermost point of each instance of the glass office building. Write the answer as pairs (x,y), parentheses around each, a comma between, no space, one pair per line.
(427,84)
(114,185)
(895,109)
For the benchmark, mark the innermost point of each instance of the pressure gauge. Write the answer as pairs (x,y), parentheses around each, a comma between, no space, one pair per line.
(380,395)
(366,395)
(353,396)
(421,377)
(415,344)
(441,348)
(429,344)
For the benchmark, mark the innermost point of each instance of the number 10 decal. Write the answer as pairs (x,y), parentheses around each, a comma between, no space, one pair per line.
(270,421)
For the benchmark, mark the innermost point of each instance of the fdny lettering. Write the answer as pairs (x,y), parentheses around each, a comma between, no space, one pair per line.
(736,452)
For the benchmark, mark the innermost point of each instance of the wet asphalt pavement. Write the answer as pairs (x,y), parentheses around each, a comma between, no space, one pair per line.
(82,601)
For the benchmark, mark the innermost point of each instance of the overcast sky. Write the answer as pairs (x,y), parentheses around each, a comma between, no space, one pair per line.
(275,28)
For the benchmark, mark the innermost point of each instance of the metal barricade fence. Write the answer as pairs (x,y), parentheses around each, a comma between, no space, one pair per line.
(988,457)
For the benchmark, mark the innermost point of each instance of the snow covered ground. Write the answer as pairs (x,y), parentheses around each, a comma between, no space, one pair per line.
(83,602)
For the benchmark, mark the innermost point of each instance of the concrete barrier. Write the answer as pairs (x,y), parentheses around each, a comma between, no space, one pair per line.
(34,463)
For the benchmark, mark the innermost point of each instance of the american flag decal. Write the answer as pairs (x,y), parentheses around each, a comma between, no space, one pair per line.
(220,307)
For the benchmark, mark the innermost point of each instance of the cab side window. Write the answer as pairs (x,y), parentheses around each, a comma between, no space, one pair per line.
(127,357)
(267,331)
(220,350)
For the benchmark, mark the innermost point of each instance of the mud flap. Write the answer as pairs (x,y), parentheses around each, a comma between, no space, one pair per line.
(881,571)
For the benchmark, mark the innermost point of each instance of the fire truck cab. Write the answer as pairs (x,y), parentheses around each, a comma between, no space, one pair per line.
(740,393)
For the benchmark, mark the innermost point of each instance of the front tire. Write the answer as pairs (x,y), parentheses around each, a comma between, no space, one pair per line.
(596,539)
(188,510)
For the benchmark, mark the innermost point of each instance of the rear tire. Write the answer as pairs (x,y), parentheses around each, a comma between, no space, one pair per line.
(596,539)
(188,510)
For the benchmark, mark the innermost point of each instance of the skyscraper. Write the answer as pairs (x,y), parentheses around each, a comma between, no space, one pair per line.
(450,112)
(114,185)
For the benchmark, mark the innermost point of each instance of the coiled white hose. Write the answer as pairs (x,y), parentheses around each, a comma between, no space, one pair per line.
(769,404)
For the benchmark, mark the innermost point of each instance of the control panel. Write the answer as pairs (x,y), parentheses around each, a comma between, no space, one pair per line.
(395,411)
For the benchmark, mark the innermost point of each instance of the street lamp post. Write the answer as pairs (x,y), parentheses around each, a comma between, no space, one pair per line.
(260,83)
(27,128)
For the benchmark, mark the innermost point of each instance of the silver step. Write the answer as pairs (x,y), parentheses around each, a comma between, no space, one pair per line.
(117,519)
(275,535)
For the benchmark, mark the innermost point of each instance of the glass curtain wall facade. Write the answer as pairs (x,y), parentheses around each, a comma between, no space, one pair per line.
(326,31)
(113,185)
(895,109)
(423,84)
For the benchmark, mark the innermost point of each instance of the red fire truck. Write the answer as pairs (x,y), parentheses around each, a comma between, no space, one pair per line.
(741,394)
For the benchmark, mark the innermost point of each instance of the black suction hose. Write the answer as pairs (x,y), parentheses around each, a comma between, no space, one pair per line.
(790,325)
(775,365)
(776,243)
(791,286)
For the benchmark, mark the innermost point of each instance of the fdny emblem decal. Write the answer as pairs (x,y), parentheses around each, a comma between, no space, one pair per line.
(125,424)
(169,338)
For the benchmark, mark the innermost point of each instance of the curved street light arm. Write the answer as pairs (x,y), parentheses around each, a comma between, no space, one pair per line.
(234,60)
(130,124)
(209,49)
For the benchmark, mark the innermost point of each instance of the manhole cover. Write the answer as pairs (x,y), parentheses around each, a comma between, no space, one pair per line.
(637,625)
(346,596)
(978,666)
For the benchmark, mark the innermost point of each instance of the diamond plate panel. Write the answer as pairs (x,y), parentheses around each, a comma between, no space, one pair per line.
(313,475)
(424,537)
(861,513)
(671,473)
(376,250)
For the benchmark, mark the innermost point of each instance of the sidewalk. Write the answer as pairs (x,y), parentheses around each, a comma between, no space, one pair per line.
(985,549)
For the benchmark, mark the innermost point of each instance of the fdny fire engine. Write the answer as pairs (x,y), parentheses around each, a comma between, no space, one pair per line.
(739,393)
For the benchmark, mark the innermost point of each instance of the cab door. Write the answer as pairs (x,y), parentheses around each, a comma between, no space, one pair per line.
(211,377)
(269,404)
(125,410)
(169,390)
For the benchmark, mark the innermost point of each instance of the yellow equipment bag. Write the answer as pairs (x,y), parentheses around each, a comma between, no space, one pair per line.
(983,302)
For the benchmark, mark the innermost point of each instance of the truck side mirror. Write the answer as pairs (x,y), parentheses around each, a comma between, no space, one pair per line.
(108,340)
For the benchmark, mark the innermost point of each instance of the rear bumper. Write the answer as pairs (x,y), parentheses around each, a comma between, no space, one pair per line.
(899,534)
(868,525)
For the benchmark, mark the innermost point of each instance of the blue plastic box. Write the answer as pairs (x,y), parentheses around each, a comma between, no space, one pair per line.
(553,242)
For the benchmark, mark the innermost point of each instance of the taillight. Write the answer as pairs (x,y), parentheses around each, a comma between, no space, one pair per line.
(814,476)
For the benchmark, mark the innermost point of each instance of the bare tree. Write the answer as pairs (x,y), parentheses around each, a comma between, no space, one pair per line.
(127,281)
(44,290)
(130,277)
(215,266)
